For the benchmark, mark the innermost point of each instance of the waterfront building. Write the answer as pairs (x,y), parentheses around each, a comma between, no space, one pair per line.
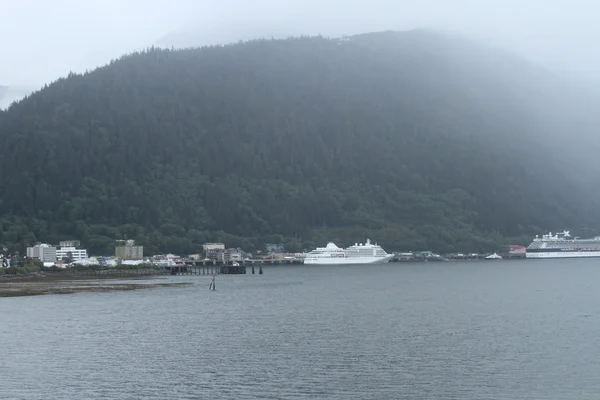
(70,249)
(43,252)
(127,250)
(231,255)
(214,251)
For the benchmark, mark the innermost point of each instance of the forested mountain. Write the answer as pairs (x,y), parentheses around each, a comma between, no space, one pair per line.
(417,139)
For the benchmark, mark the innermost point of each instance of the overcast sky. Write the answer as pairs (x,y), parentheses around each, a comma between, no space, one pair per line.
(41,40)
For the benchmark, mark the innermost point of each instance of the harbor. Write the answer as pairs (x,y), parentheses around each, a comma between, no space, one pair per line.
(218,259)
(27,276)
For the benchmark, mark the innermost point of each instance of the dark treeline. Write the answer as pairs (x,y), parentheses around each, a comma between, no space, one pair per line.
(418,140)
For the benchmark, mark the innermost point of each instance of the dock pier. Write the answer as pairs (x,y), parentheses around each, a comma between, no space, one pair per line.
(210,267)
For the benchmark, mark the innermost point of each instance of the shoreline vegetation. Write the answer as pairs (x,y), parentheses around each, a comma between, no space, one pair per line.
(78,280)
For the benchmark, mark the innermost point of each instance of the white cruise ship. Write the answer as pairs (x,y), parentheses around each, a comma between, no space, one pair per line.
(367,253)
(561,245)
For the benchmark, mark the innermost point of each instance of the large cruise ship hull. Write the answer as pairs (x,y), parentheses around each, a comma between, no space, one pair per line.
(346,260)
(562,254)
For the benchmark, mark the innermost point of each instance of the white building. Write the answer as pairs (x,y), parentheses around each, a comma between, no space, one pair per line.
(214,251)
(69,243)
(213,246)
(69,249)
(233,255)
(43,252)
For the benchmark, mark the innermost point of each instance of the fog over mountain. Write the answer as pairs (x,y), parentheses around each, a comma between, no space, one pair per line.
(558,34)
(10,94)
(421,139)
(451,141)
(43,41)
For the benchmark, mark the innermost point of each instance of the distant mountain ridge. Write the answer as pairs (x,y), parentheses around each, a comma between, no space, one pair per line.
(417,139)
(209,36)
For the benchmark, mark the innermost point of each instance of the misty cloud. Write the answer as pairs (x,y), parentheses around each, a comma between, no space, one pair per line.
(41,41)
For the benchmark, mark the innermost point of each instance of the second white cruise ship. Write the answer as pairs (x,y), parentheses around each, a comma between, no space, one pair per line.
(561,245)
(367,253)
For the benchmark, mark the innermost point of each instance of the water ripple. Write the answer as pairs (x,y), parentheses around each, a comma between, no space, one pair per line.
(453,331)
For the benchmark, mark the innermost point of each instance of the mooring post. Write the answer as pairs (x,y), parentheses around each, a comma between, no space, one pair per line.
(260,270)
(252,269)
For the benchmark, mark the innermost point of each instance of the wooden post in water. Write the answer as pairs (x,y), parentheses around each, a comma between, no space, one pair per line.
(260,270)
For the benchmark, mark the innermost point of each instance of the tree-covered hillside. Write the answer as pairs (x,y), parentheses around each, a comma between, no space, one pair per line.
(419,140)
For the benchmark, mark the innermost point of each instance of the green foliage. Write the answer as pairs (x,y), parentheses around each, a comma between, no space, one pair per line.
(28,269)
(414,140)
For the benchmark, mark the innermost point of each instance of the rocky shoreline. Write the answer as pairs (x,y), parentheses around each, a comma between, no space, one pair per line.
(35,285)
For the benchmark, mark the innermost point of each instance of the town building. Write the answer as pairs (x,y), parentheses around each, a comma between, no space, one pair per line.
(214,251)
(216,255)
(516,251)
(43,252)
(127,250)
(213,246)
(231,255)
(69,243)
(71,249)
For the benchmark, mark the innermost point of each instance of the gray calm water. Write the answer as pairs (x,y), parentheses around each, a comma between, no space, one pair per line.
(473,330)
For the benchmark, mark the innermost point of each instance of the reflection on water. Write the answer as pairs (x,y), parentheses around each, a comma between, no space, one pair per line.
(514,329)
